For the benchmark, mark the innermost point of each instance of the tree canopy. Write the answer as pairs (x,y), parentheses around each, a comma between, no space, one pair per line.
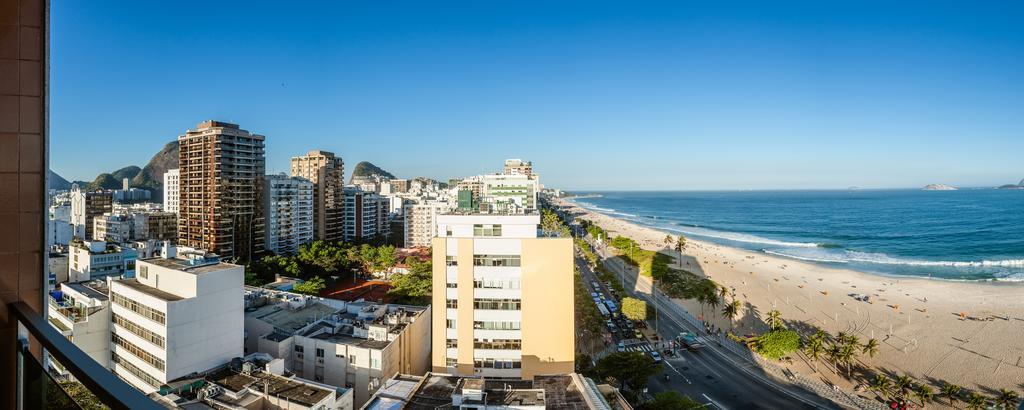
(310,287)
(634,309)
(629,369)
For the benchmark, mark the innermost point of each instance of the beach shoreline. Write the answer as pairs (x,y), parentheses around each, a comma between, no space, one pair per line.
(932,329)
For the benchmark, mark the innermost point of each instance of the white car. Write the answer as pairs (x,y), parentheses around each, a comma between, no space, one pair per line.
(656,356)
(621,347)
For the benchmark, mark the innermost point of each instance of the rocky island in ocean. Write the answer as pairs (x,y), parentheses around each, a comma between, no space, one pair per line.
(938,187)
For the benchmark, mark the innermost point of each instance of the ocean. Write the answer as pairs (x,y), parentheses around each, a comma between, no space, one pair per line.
(969,234)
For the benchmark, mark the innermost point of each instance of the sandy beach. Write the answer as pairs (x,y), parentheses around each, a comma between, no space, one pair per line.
(917,321)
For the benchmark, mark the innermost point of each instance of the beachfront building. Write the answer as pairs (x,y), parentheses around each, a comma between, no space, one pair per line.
(182,313)
(420,221)
(499,193)
(172,190)
(85,206)
(353,345)
(508,296)
(89,260)
(326,171)
(442,391)
(366,215)
(289,209)
(518,167)
(221,169)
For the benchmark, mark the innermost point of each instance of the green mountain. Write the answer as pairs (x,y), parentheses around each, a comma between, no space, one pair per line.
(365,169)
(103,181)
(152,175)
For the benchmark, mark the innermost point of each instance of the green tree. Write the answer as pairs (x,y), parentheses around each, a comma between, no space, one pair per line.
(870,348)
(976,401)
(777,343)
(310,287)
(634,309)
(951,392)
(881,385)
(82,396)
(671,400)
(415,286)
(328,257)
(774,319)
(924,394)
(814,348)
(385,258)
(629,369)
(901,384)
(731,310)
(1007,399)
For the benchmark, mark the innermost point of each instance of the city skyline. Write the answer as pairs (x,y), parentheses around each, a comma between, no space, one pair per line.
(799,96)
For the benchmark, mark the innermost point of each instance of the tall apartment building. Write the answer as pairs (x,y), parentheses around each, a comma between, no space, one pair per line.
(159,226)
(221,184)
(508,296)
(289,213)
(172,191)
(399,185)
(326,171)
(84,207)
(421,222)
(366,215)
(182,313)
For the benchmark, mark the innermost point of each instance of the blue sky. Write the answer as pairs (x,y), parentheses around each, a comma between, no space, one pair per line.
(599,95)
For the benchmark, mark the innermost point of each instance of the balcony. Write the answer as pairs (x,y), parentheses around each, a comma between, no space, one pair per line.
(36,387)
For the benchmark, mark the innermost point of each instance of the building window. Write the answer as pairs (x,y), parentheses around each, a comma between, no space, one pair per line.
(451,260)
(450,323)
(451,343)
(496,260)
(298,348)
(138,330)
(375,363)
(452,303)
(450,362)
(486,363)
(144,272)
(137,352)
(498,344)
(496,325)
(352,359)
(319,352)
(496,283)
(142,310)
(486,230)
(497,304)
(451,285)
(134,370)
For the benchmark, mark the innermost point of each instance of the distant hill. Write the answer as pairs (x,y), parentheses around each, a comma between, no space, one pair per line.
(152,175)
(1011,186)
(365,169)
(58,182)
(939,187)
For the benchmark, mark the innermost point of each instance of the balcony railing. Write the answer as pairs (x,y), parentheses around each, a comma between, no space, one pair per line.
(36,387)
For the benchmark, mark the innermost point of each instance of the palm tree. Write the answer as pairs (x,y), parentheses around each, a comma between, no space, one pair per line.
(847,354)
(723,292)
(951,391)
(713,300)
(902,384)
(680,245)
(1007,399)
(814,348)
(853,340)
(668,240)
(870,348)
(881,385)
(975,401)
(924,394)
(731,310)
(774,319)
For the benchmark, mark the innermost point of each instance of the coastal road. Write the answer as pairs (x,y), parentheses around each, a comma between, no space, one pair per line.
(707,375)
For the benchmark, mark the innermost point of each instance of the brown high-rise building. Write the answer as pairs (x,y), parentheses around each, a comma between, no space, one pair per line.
(221,185)
(327,173)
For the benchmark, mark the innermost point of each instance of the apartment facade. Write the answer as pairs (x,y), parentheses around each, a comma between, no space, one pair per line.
(86,206)
(518,167)
(289,211)
(508,297)
(172,190)
(117,228)
(326,171)
(221,170)
(81,312)
(420,222)
(89,260)
(154,225)
(366,215)
(161,319)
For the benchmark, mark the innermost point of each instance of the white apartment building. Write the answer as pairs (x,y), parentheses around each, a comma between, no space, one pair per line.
(508,297)
(81,312)
(289,213)
(58,226)
(352,345)
(420,221)
(89,260)
(172,190)
(182,313)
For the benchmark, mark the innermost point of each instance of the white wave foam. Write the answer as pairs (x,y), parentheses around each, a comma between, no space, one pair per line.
(888,260)
(803,258)
(741,237)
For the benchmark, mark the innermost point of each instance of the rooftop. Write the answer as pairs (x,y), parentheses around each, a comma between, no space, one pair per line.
(290,320)
(291,390)
(437,390)
(149,290)
(96,289)
(195,266)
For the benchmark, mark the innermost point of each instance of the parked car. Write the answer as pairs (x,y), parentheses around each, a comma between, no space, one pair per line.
(621,347)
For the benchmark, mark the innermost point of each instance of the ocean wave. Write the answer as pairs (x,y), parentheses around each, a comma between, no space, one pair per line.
(741,237)
(883,259)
